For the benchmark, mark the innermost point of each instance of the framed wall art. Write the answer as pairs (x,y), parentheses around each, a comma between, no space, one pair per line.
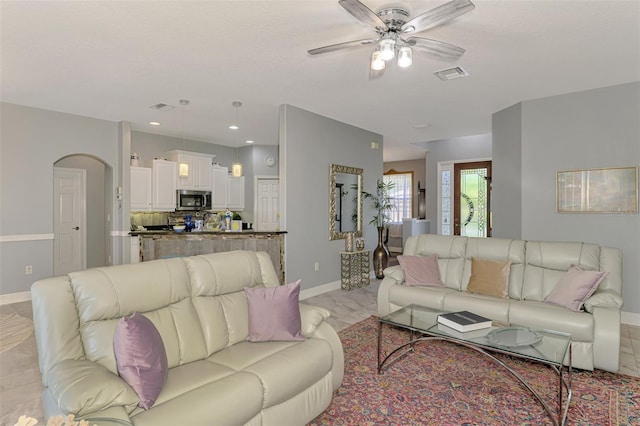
(608,191)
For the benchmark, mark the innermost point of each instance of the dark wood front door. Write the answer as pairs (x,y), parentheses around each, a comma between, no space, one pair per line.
(471,199)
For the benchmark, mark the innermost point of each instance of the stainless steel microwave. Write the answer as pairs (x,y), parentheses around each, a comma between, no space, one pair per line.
(193,200)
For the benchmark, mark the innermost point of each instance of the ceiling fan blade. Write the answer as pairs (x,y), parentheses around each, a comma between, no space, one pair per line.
(437,16)
(338,46)
(363,14)
(436,47)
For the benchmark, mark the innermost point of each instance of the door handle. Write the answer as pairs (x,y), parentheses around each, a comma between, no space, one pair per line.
(76,228)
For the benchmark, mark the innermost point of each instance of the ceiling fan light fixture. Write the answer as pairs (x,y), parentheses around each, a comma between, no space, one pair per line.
(405,57)
(377,63)
(387,48)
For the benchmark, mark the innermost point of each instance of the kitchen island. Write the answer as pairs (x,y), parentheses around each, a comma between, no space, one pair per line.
(165,244)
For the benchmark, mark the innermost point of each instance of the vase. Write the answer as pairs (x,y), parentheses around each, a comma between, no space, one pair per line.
(380,256)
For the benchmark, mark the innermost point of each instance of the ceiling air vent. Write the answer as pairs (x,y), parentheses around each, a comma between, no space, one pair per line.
(451,73)
(162,107)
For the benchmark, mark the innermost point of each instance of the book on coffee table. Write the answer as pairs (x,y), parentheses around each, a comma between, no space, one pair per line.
(464,321)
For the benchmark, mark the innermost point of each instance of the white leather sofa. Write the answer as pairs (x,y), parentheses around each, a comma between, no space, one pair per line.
(216,377)
(535,269)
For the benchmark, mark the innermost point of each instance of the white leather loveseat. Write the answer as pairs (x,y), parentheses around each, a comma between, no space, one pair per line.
(535,269)
(215,376)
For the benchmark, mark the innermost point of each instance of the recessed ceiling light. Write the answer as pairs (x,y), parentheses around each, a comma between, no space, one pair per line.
(234,127)
(451,73)
(422,126)
(249,141)
(154,123)
(162,107)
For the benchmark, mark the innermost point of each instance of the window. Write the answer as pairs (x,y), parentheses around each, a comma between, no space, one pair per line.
(401,194)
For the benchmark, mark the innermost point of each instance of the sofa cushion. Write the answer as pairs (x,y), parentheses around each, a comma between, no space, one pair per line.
(284,368)
(421,270)
(140,357)
(547,316)
(274,313)
(232,400)
(495,308)
(503,249)
(430,297)
(575,287)
(489,277)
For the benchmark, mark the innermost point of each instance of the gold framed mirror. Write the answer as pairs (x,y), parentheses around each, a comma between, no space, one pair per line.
(345,201)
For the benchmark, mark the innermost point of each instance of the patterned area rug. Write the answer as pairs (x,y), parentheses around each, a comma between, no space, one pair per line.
(445,384)
(14,329)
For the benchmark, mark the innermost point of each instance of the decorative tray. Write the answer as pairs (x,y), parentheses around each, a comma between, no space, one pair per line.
(514,337)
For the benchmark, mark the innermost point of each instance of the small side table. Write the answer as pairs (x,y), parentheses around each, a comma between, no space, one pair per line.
(355,271)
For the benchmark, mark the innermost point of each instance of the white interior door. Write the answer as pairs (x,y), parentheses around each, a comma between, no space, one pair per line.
(267,204)
(69,220)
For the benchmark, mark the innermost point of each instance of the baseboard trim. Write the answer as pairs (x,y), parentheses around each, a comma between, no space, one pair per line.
(7,299)
(318,290)
(630,318)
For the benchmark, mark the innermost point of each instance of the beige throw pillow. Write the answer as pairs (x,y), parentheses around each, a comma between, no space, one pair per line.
(489,277)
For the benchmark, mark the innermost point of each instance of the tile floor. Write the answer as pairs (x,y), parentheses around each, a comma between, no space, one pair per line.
(20,382)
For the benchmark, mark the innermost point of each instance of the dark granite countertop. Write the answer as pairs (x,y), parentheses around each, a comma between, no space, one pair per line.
(194,233)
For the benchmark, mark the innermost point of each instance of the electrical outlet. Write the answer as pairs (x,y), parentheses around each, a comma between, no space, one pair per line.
(317,266)
(28,270)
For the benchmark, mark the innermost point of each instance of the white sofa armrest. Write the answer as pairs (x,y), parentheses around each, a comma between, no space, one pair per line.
(73,384)
(603,299)
(393,275)
(311,317)
(606,339)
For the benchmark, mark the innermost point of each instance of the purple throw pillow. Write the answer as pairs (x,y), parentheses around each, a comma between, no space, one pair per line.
(274,313)
(575,287)
(421,270)
(140,357)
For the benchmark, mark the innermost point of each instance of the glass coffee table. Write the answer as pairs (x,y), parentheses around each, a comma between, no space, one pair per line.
(547,347)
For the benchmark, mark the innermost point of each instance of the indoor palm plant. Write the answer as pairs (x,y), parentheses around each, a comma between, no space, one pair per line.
(382,202)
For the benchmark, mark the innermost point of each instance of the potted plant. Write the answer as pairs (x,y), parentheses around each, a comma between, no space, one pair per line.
(382,202)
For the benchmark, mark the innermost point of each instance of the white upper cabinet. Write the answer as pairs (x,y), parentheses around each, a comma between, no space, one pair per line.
(164,184)
(198,166)
(140,189)
(219,189)
(235,194)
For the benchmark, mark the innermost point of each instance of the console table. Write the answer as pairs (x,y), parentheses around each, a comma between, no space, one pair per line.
(355,271)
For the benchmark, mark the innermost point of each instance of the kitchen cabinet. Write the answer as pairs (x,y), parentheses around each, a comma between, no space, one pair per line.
(164,185)
(235,193)
(219,187)
(140,199)
(199,177)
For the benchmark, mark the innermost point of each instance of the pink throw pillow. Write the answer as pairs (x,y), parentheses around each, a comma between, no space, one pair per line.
(575,287)
(421,270)
(141,358)
(274,313)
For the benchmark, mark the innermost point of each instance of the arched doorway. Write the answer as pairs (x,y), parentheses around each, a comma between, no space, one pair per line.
(92,226)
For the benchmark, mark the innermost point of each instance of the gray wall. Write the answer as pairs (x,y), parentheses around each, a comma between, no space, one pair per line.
(419,175)
(31,141)
(310,143)
(454,149)
(149,146)
(96,209)
(506,194)
(590,129)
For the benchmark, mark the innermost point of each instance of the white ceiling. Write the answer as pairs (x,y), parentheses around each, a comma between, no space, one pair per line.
(113,59)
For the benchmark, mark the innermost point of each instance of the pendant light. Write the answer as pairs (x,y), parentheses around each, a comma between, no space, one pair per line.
(405,57)
(377,63)
(236,167)
(183,168)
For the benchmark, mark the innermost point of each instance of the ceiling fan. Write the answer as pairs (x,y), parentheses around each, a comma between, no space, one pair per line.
(393,24)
